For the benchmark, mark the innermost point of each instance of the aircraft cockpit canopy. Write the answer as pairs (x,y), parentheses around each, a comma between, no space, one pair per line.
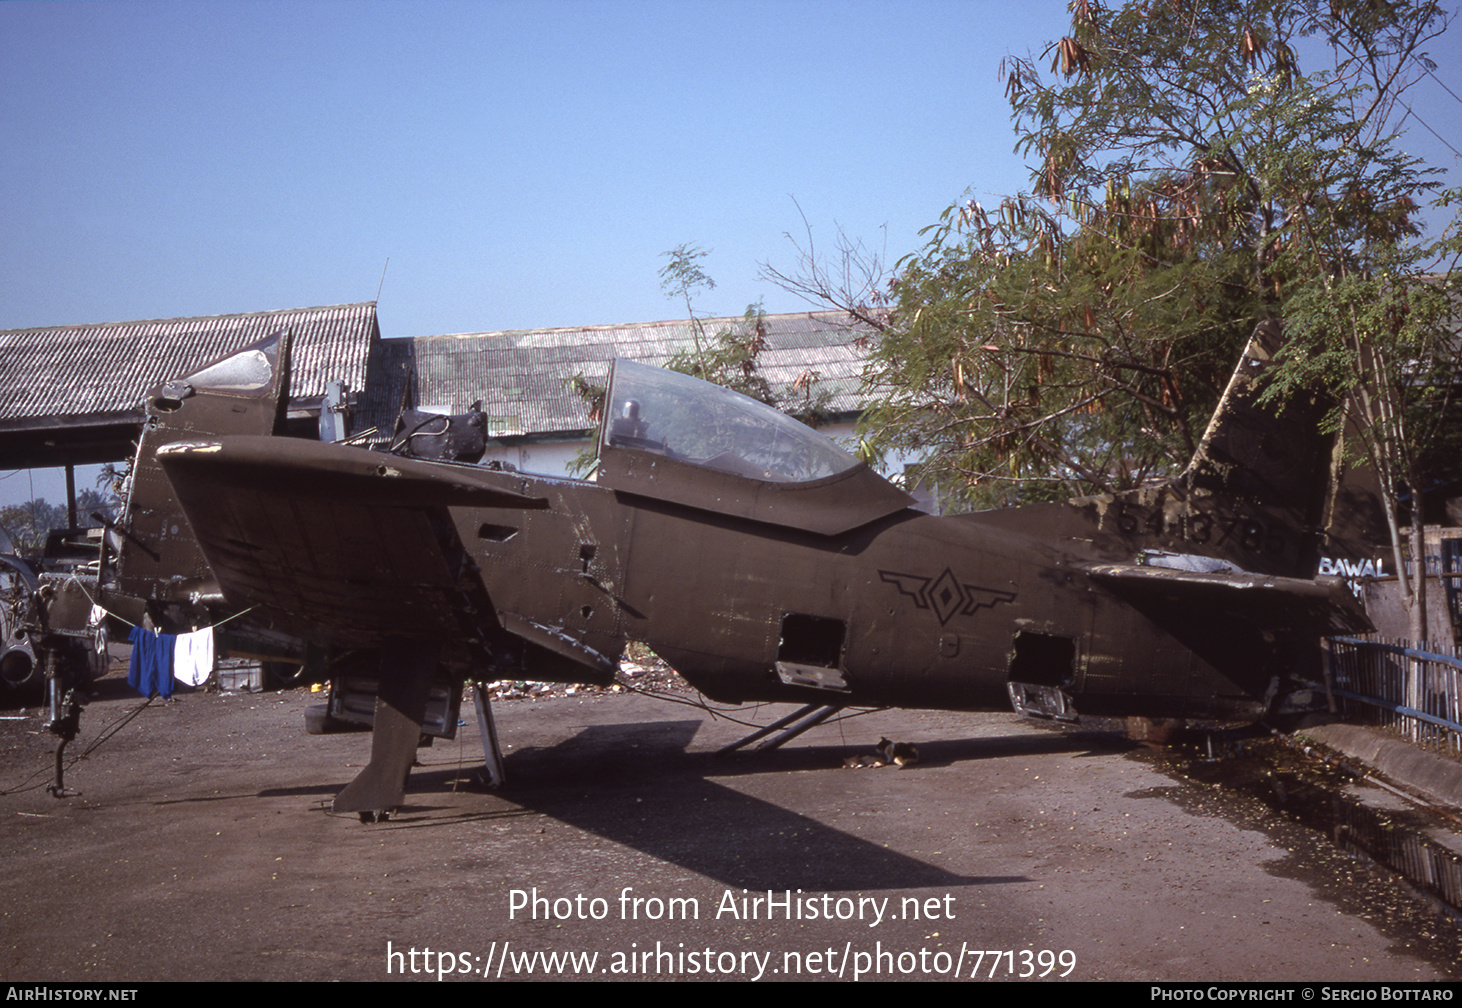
(683,418)
(676,438)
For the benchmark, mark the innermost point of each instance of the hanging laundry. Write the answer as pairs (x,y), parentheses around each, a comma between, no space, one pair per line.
(151,669)
(193,657)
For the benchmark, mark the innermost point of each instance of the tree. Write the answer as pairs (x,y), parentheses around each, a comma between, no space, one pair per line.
(853,280)
(30,523)
(1189,179)
(681,277)
(731,356)
(1379,332)
(111,485)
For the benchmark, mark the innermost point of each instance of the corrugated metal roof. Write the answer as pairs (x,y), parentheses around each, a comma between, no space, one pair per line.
(522,375)
(107,368)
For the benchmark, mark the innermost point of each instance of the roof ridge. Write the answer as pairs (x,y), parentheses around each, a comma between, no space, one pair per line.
(611,327)
(192,318)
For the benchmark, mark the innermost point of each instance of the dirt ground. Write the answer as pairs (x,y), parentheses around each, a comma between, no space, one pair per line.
(201,848)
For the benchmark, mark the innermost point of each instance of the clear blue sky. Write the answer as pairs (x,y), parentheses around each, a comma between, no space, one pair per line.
(521,164)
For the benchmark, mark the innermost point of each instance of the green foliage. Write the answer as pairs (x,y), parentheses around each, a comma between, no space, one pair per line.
(593,394)
(110,482)
(1381,334)
(30,523)
(681,277)
(1188,181)
(731,356)
(1038,365)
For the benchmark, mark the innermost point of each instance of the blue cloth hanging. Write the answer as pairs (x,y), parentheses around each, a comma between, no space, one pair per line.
(151,668)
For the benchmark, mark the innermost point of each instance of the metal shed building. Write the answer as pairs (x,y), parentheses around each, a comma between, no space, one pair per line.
(523,376)
(72,395)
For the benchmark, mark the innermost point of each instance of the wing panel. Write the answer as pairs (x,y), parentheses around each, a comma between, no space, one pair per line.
(353,568)
(323,560)
(1321,606)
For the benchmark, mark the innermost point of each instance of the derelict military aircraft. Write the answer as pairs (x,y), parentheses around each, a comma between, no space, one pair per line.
(759,559)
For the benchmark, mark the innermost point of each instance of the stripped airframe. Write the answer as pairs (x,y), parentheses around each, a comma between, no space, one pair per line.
(757,557)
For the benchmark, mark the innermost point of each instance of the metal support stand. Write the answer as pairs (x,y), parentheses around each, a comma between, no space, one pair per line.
(63,725)
(407,668)
(806,717)
(492,754)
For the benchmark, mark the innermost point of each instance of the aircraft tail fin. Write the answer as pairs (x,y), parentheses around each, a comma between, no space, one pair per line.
(1286,462)
(1268,489)
(1271,459)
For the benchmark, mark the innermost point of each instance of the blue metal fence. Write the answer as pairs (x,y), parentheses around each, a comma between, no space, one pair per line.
(1413,691)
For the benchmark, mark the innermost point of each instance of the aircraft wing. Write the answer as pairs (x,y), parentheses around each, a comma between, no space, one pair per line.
(1283,604)
(332,539)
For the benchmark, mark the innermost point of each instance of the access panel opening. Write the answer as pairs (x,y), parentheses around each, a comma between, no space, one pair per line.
(811,640)
(1043,659)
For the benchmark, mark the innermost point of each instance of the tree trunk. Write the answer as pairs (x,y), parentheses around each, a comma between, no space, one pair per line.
(1417,599)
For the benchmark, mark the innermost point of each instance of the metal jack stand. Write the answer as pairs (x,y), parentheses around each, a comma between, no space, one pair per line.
(65,726)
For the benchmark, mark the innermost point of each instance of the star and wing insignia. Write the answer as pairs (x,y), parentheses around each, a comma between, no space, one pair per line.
(945,594)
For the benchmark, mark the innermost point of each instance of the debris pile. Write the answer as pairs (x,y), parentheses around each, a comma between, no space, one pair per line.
(640,669)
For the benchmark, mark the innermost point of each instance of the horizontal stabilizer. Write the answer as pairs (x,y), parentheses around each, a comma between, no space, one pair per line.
(1324,605)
